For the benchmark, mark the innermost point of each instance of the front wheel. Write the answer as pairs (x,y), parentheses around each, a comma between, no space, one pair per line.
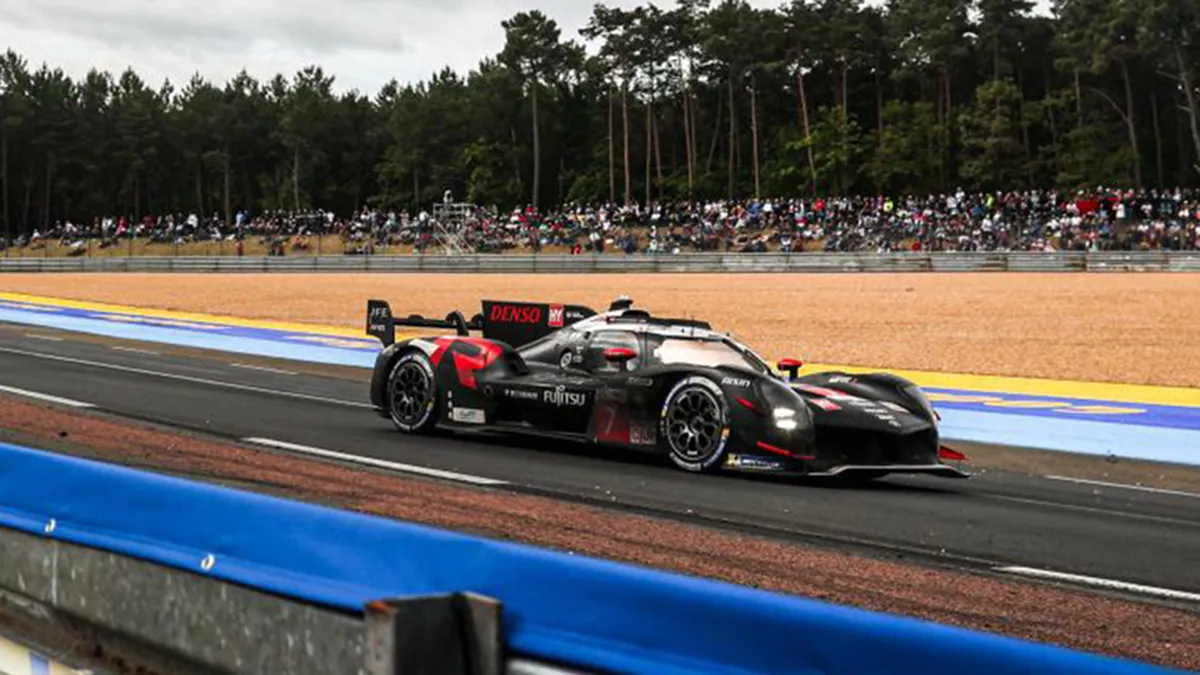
(412,393)
(694,425)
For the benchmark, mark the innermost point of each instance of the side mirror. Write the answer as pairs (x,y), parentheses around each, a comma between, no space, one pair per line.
(790,366)
(619,354)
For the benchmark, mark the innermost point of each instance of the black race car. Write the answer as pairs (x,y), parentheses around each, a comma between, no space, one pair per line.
(670,386)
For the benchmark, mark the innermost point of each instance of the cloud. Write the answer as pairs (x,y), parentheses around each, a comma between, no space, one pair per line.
(362,43)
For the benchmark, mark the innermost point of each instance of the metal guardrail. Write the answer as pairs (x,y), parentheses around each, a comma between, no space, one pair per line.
(1064,261)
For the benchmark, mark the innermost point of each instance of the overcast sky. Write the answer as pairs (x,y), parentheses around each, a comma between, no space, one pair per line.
(363,43)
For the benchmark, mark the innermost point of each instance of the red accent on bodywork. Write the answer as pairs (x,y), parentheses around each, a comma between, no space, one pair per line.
(951,455)
(825,404)
(820,391)
(750,406)
(442,345)
(780,451)
(612,423)
(465,365)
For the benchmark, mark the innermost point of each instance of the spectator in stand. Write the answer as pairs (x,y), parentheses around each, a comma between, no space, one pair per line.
(1035,220)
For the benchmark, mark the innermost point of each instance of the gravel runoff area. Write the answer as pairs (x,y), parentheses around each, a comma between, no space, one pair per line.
(1119,327)
(1038,612)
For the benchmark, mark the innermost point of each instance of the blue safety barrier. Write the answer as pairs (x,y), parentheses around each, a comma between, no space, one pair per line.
(558,607)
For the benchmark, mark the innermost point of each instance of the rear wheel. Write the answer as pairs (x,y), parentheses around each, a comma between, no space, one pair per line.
(412,393)
(694,426)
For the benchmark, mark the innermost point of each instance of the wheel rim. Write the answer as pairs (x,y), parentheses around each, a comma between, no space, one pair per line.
(410,393)
(694,424)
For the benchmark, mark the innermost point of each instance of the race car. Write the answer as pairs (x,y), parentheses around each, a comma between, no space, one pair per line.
(670,386)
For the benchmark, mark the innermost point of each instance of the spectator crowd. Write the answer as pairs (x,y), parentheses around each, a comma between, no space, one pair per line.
(1044,220)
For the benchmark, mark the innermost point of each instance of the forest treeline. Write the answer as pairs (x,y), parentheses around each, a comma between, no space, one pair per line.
(699,100)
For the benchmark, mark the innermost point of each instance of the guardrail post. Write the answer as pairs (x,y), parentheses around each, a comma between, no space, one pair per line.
(455,634)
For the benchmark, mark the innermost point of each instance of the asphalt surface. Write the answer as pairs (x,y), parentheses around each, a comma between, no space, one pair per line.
(994,519)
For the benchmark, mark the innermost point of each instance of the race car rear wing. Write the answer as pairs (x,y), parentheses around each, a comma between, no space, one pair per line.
(381,323)
(514,323)
(519,323)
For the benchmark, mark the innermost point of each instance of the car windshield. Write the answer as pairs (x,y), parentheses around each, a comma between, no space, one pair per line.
(703,353)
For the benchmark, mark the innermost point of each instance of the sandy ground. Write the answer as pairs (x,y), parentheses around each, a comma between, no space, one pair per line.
(1136,328)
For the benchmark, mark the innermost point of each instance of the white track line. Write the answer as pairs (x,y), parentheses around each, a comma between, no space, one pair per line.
(1098,582)
(1125,486)
(134,350)
(262,369)
(1094,509)
(46,397)
(47,338)
(370,461)
(185,378)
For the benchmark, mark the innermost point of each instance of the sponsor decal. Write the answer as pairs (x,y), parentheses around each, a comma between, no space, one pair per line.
(560,397)
(863,404)
(574,315)
(822,391)
(893,406)
(516,314)
(642,433)
(639,381)
(825,404)
(378,319)
(566,360)
(612,423)
(752,463)
(876,410)
(841,379)
(556,316)
(523,394)
(735,382)
(468,415)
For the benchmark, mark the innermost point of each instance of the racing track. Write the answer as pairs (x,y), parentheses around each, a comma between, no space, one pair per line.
(994,519)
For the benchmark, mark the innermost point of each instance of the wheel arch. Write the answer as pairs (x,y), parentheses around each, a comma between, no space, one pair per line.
(421,358)
(384,362)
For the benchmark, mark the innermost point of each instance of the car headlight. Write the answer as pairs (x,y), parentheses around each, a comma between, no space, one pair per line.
(785,418)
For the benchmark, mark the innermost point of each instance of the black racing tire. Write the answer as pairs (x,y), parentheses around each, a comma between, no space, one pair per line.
(411,395)
(694,425)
